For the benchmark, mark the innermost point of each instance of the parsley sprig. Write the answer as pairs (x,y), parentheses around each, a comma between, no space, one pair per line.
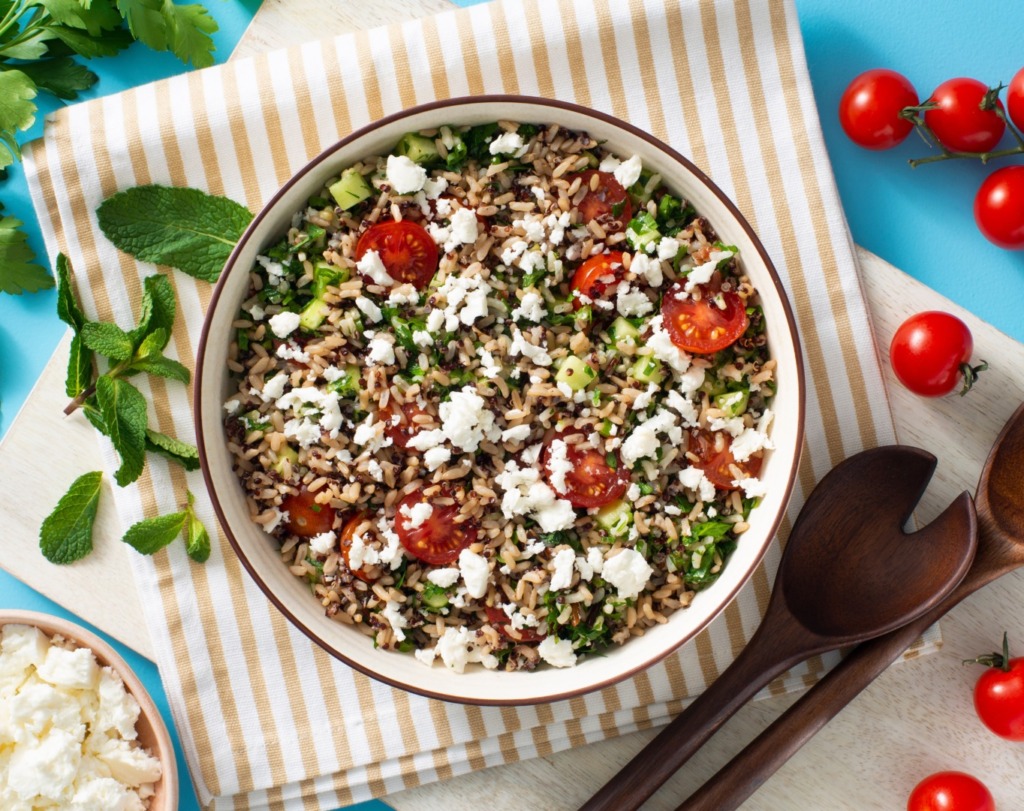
(117,409)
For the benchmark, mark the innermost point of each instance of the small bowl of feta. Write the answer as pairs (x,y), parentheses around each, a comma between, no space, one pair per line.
(499,400)
(80,730)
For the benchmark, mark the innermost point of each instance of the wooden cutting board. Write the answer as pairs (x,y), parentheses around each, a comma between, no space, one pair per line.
(915,719)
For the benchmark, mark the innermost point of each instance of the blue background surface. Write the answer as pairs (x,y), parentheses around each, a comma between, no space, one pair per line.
(920,220)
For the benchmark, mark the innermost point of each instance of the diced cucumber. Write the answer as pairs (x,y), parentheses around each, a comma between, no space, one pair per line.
(606,428)
(434,597)
(417,148)
(313,314)
(712,386)
(575,373)
(325,275)
(621,331)
(733,403)
(350,190)
(616,518)
(642,232)
(648,369)
(286,452)
(348,384)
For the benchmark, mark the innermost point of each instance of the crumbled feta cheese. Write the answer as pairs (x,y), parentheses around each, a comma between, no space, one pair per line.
(558,465)
(628,572)
(521,346)
(508,143)
(702,273)
(668,248)
(393,614)
(393,553)
(643,440)
(749,443)
(609,164)
(514,251)
(416,514)
(372,266)
(644,398)
(632,302)
(275,270)
(647,268)
(464,229)
(445,577)
(663,348)
(475,573)
(231,407)
(375,470)
(458,648)
(733,426)
(405,176)
(434,187)
(323,543)
(517,433)
(435,320)
(693,478)
(369,309)
(74,669)
(422,338)
(257,312)
(563,563)
(435,457)
(751,487)
(628,172)
(526,494)
(381,351)
(284,324)
(292,352)
(276,520)
(531,308)
(557,652)
(403,294)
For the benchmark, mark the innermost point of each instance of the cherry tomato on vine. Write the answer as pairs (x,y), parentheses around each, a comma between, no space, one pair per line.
(436,539)
(703,327)
(406,249)
(591,480)
(597,275)
(931,354)
(608,202)
(950,791)
(869,110)
(999,208)
(1015,99)
(306,518)
(999,693)
(958,122)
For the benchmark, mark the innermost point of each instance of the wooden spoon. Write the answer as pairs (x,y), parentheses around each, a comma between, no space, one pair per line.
(848,573)
(1000,503)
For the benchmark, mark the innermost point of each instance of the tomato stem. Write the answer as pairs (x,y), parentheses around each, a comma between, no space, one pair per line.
(997,660)
(970,375)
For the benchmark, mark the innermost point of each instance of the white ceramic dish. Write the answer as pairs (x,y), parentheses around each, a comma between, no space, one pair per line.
(151,729)
(290,594)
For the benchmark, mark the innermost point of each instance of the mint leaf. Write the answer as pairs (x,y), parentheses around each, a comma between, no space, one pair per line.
(190,28)
(157,311)
(153,534)
(163,367)
(109,340)
(109,43)
(66,533)
(123,409)
(152,344)
(197,539)
(174,449)
(68,309)
(179,227)
(62,76)
(18,271)
(80,368)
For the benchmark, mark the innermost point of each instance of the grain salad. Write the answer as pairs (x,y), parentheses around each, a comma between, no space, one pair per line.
(501,397)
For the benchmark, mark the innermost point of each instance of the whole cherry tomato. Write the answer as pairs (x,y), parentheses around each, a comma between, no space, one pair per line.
(406,249)
(869,110)
(999,693)
(931,352)
(950,791)
(958,122)
(1015,99)
(999,208)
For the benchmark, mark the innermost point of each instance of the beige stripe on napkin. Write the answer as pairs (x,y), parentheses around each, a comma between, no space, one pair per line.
(266,718)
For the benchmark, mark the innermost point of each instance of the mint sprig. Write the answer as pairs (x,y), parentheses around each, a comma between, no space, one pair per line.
(66,534)
(153,534)
(179,227)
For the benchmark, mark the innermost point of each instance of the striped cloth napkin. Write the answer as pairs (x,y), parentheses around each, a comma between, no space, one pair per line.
(267,719)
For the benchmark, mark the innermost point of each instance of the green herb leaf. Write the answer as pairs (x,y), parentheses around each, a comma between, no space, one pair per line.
(153,534)
(710,529)
(157,311)
(180,227)
(68,309)
(197,539)
(18,271)
(66,533)
(80,368)
(163,367)
(62,76)
(146,21)
(30,44)
(109,43)
(109,340)
(190,28)
(123,409)
(93,16)
(174,449)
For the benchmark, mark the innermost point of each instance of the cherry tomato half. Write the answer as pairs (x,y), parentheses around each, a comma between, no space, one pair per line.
(439,539)
(999,694)
(1015,99)
(407,251)
(702,326)
(591,481)
(958,122)
(609,202)
(714,457)
(950,791)
(348,532)
(930,352)
(406,429)
(999,208)
(499,619)
(869,110)
(306,518)
(597,275)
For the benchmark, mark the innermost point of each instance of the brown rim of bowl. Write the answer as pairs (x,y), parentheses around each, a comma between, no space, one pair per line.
(458,102)
(167,785)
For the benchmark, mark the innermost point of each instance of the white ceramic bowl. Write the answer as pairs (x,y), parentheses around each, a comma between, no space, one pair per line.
(290,594)
(151,730)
